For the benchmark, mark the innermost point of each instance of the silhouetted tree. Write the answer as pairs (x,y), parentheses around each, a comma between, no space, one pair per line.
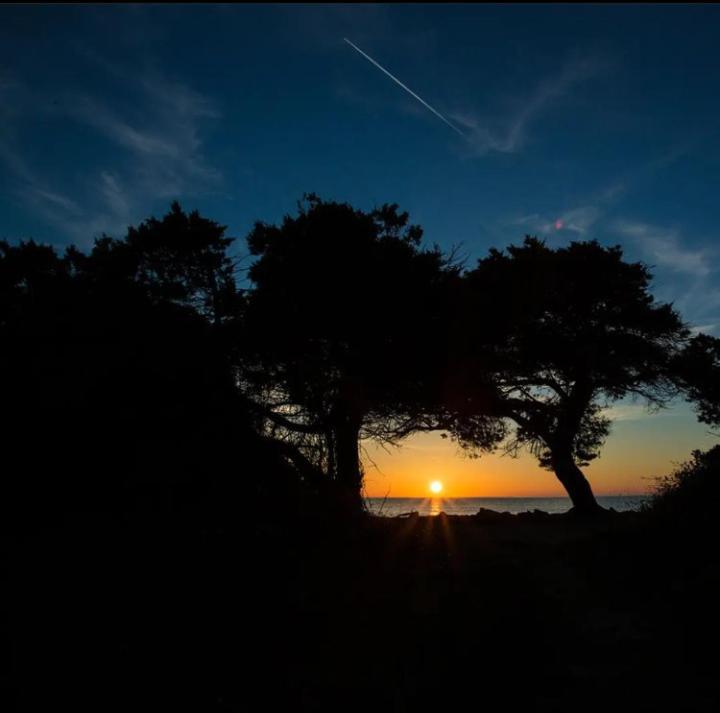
(346,322)
(690,495)
(133,469)
(181,258)
(116,371)
(697,371)
(548,337)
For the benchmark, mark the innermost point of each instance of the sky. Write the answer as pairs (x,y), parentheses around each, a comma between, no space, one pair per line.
(566,122)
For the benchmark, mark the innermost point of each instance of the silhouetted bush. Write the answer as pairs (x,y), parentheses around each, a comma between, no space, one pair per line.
(118,388)
(691,494)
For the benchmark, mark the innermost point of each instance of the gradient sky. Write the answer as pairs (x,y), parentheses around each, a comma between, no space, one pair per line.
(578,122)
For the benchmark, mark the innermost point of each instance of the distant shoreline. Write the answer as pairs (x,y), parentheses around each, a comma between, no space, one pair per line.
(392,507)
(499,497)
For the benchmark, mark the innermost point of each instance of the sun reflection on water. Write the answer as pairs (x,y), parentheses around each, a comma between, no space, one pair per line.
(436,506)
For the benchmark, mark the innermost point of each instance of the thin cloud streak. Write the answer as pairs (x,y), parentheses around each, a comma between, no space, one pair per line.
(513,135)
(630,412)
(407,89)
(663,245)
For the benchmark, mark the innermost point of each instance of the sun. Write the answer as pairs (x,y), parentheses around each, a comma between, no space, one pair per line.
(436,487)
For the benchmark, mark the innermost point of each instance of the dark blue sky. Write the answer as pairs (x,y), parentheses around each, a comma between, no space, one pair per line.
(579,122)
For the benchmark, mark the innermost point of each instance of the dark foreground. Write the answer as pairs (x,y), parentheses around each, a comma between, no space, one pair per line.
(379,614)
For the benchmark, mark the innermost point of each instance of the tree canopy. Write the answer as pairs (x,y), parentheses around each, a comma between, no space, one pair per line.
(180,258)
(551,336)
(116,370)
(351,329)
(345,320)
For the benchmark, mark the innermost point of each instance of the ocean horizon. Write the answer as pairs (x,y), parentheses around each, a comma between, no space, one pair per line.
(394,507)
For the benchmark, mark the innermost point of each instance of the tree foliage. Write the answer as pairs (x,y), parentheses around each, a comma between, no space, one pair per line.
(697,371)
(117,373)
(551,336)
(351,330)
(345,322)
(181,258)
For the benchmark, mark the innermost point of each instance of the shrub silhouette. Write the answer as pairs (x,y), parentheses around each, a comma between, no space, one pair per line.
(117,377)
(691,493)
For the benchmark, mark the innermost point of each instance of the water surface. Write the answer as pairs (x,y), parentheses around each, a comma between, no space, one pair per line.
(392,507)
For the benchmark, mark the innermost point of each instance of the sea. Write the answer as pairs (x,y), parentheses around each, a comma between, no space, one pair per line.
(396,507)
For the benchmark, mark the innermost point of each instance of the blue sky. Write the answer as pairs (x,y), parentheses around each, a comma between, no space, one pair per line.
(579,122)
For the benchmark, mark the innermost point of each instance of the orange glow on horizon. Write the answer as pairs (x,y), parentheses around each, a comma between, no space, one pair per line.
(637,452)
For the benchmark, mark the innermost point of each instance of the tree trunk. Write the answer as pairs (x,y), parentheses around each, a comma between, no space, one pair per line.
(575,483)
(347,461)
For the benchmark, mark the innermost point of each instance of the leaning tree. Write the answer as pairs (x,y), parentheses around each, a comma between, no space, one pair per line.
(545,338)
(343,322)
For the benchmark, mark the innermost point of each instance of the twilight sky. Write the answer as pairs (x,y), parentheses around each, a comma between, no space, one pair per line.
(576,122)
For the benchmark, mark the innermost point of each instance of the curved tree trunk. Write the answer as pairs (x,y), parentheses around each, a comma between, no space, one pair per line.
(575,483)
(347,461)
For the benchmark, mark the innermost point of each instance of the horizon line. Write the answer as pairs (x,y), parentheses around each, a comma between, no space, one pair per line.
(499,497)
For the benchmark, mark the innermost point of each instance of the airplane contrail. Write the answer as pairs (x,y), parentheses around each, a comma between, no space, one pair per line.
(407,89)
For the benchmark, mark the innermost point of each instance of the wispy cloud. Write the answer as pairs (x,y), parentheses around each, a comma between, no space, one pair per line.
(575,222)
(629,412)
(115,196)
(685,271)
(56,200)
(704,328)
(159,131)
(13,160)
(509,134)
(686,275)
(164,137)
(141,141)
(57,208)
(664,246)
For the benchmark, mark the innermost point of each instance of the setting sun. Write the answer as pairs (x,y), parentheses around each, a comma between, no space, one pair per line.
(436,486)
